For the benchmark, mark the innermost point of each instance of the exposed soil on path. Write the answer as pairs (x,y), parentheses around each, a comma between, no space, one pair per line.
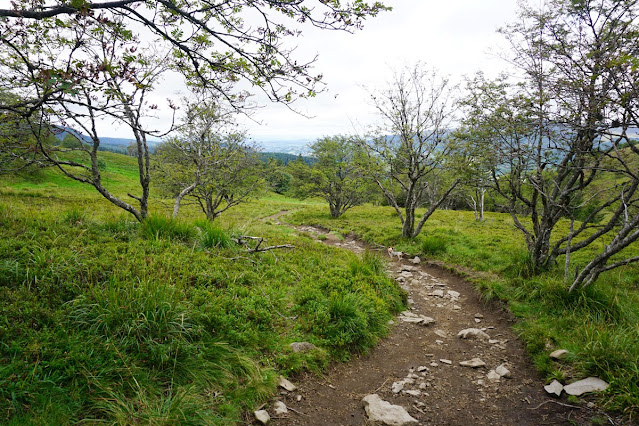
(437,390)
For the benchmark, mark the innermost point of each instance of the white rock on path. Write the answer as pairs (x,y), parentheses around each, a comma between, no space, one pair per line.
(438,293)
(446,361)
(410,317)
(558,354)
(473,333)
(473,363)
(493,376)
(262,416)
(453,294)
(415,260)
(591,384)
(397,387)
(383,412)
(554,388)
(280,408)
(283,383)
(503,371)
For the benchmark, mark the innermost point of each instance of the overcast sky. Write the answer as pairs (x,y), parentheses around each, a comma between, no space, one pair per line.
(458,37)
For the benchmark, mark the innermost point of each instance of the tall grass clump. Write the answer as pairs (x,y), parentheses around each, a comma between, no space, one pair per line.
(160,227)
(433,245)
(213,236)
(369,264)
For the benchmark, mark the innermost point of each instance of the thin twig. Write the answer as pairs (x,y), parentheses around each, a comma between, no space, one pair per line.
(555,402)
(295,411)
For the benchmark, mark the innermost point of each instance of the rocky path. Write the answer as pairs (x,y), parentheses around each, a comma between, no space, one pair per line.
(428,368)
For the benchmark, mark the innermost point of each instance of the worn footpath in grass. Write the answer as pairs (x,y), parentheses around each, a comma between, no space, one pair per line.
(170,322)
(598,325)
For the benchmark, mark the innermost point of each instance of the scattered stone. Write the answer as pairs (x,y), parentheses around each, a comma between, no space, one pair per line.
(503,371)
(441,333)
(558,354)
(554,388)
(280,408)
(298,398)
(480,382)
(410,317)
(283,383)
(397,387)
(473,333)
(434,364)
(453,294)
(439,342)
(412,392)
(422,368)
(479,316)
(262,416)
(412,376)
(456,307)
(390,322)
(406,274)
(493,341)
(493,376)
(477,320)
(298,347)
(409,268)
(409,380)
(423,385)
(416,260)
(590,404)
(473,363)
(438,293)
(410,301)
(591,384)
(380,411)
(446,361)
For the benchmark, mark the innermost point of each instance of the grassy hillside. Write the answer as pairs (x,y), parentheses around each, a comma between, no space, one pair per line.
(105,319)
(599,326)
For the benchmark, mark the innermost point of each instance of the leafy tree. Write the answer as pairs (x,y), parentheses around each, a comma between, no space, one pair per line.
(410,148)
(208,162)
(338,174)
(552,132)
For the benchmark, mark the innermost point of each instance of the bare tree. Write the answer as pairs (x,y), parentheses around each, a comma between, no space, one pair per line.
(410,147)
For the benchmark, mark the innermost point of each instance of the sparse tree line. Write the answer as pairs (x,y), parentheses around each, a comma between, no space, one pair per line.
(550,141)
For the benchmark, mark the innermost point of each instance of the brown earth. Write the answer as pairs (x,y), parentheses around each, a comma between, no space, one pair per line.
(448,394)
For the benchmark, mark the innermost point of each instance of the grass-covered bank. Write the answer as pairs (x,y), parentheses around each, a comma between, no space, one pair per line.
(599,325)
(105,319)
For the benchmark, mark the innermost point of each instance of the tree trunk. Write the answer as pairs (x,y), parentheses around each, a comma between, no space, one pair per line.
(181,195)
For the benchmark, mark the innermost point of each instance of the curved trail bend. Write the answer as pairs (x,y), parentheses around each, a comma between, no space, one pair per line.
(439,391)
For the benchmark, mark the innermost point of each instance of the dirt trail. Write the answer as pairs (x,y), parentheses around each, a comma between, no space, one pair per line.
(440,390)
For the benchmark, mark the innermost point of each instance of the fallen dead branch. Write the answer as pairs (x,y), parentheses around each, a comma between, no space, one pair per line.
(243,241)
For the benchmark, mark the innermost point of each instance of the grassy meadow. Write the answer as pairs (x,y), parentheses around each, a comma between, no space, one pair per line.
(104,319)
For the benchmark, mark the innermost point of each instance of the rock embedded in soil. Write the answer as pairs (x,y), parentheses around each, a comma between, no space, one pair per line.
(300,347)
(262,416)
(283,383)
(446,361)
(410,317)
(453,294)
(554,388)
(591,384)
(503,371)
(473,363)
(558,354)
(438,293)
(473,333)
(493,376)
(415,260)
(280,408)
(383,412)
(397,387)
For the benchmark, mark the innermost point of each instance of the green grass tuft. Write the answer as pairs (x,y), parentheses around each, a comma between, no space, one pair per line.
(161,228)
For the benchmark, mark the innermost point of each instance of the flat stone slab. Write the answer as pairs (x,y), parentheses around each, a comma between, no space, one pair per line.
(558,354)
(473,363)
(473,333)
(262,416)
(298,347)
(283,383)
(383,412)
(408,316)
(591,384)
(280,408)
(554,388)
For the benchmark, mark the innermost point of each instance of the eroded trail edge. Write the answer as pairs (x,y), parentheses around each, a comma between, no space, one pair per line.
(424,366)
